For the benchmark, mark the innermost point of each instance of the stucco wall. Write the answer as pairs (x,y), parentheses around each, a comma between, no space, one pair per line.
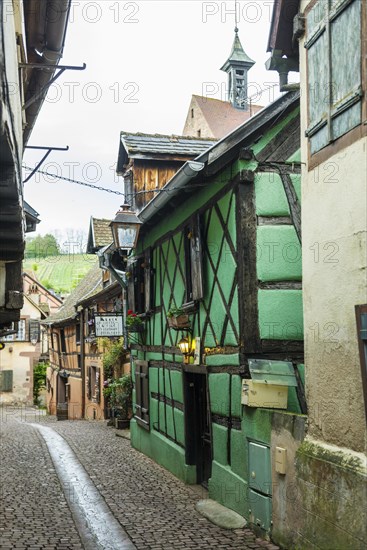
(197,122)
(20,357)
(75,400)
(334,280)
(51,390)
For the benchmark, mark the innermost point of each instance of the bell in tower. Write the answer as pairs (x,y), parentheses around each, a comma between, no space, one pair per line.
(237,66)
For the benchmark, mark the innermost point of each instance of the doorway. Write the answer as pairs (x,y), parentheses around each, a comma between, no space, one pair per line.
(197,426)
(61,398)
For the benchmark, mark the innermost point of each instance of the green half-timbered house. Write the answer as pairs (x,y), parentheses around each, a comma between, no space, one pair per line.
(222,242)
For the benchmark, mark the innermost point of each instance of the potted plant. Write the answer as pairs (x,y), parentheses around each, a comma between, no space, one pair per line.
(177,318)
(119,395)
(133,322)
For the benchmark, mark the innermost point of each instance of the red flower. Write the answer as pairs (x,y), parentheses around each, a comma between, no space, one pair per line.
(129,311)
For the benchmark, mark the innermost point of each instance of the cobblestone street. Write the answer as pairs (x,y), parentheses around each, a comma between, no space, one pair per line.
(154,509)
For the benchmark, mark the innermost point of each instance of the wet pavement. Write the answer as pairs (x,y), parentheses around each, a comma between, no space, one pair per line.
(74,484)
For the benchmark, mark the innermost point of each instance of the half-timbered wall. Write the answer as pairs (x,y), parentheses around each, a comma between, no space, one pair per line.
(250,264)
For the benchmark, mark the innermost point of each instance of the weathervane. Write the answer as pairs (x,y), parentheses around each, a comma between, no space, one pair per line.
(235,16)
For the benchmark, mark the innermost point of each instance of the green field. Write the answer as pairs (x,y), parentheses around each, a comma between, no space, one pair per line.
(61,273)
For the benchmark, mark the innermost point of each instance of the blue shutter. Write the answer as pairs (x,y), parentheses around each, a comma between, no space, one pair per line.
(334,70)
(346,68)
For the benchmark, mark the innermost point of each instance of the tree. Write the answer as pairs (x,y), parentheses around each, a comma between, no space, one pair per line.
(41,247)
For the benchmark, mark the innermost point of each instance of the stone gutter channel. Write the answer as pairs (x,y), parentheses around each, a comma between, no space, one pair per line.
(97,526)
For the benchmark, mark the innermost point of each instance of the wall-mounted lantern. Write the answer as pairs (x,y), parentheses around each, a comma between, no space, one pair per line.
(125,228)
(185,348)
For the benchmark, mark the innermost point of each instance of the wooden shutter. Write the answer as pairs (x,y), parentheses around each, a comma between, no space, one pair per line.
(6,380)
(142,394)
(196,260)
(98,385)
(345,29)
(89,383)
(334,78)
(148,280)
(318,77)
(131,285)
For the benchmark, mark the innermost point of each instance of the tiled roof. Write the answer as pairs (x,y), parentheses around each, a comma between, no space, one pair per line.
(91,284)
(221,117)
(102,234)
(162,144)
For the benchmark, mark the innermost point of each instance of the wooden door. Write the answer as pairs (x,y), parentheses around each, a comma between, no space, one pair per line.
(197,426)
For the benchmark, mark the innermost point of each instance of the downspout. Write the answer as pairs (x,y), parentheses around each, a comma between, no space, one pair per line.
(82,359)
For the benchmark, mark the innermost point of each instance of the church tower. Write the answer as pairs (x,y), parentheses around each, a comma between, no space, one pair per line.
(237,66)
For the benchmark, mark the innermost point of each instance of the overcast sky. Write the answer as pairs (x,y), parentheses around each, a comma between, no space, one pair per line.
(144,61)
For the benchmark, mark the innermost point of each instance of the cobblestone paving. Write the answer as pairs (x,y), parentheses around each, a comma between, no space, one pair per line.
(156,509)
(34,512)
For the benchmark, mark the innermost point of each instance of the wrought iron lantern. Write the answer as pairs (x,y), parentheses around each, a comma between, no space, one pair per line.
(125,228)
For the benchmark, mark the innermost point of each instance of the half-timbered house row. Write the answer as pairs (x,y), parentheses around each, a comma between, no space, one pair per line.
(75,377)
(216,279)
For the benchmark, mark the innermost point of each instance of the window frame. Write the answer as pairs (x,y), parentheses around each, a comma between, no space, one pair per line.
(193,251)
(141,272)
(20,331)
(359,131)
(142,396)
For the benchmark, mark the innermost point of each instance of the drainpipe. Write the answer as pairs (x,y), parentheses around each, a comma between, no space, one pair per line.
(82,359)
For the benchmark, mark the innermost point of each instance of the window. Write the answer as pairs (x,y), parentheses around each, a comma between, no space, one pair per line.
(335,93)
(140,284)
(192,113)
(361,318)
(93,384)
(193,261)
(6,380)
(62,341)
(77,334)
(34,330)
(142,394)
(199,133)
(21,335)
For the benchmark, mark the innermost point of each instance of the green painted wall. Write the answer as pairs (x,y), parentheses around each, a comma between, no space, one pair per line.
(278,254)
(280,314)
(163,451)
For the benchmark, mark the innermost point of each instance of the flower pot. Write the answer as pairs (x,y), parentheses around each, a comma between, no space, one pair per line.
(180,322)
(135,328)
(122,424)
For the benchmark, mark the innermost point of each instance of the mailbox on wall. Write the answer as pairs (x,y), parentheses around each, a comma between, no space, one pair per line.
(268,386)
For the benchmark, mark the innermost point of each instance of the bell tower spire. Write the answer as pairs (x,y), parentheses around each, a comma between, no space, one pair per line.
(237,66)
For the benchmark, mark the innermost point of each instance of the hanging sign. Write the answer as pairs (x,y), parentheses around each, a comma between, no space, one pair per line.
(109,324)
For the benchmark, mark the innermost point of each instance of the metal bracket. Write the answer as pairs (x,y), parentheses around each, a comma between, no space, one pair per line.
(47,67)
(48,151)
